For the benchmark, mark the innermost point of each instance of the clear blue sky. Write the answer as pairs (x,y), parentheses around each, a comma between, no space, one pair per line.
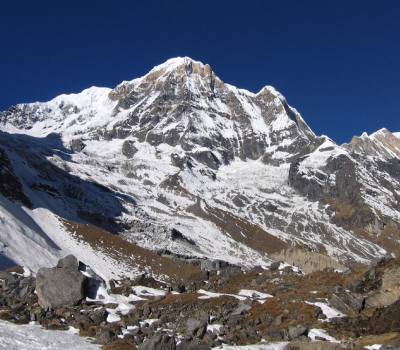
(337,62)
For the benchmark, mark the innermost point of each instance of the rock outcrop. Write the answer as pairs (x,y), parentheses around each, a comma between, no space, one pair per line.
(308,261)
(389,291)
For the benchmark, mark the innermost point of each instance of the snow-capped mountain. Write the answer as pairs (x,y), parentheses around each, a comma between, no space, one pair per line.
(181,163)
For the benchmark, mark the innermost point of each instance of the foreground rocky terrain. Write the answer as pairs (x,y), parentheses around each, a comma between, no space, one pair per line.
(219,304)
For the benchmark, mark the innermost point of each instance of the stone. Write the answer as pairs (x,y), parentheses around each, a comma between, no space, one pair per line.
(77,145)
(129,149)
(275,266)
(346,302)
(159,342)
(60,286)
(68,262)
(296,331)
(219,265)
(98,316)
(6,278)
(196,327)
(105,335)
(241,309)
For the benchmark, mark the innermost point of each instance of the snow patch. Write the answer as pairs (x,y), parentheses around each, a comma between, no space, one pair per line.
(32,337)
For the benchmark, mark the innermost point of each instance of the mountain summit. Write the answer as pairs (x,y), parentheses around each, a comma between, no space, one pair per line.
(180,164)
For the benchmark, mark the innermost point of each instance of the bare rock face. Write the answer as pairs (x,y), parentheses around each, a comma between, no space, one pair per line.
(60,286)
(308,261)
(389,291)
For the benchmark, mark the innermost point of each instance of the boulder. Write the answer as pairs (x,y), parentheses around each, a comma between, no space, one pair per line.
(296,331)
(60,286)
(196,327)
(219,265)
(68,262)
(346,302)
(98,315)
(241,309)
(77,145)
(129,149)
(105,335)
(159,342)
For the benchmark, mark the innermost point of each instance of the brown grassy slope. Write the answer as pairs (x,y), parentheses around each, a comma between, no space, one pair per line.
(131,254)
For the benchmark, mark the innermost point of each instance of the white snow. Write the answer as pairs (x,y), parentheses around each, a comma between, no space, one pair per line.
(124,303)
(270,346)
(321,333)
(373,347)
(148,321)
(209,295)
(215,328)
(147,291)
(112,316)
(242,295)
(32,337)
(254,294)
(19,231)
(327,310)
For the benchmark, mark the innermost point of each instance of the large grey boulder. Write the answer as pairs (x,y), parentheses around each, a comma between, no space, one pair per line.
(60,286)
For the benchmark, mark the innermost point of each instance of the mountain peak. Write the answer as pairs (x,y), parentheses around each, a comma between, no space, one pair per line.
(181,66)
(178,61)
(381,143)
